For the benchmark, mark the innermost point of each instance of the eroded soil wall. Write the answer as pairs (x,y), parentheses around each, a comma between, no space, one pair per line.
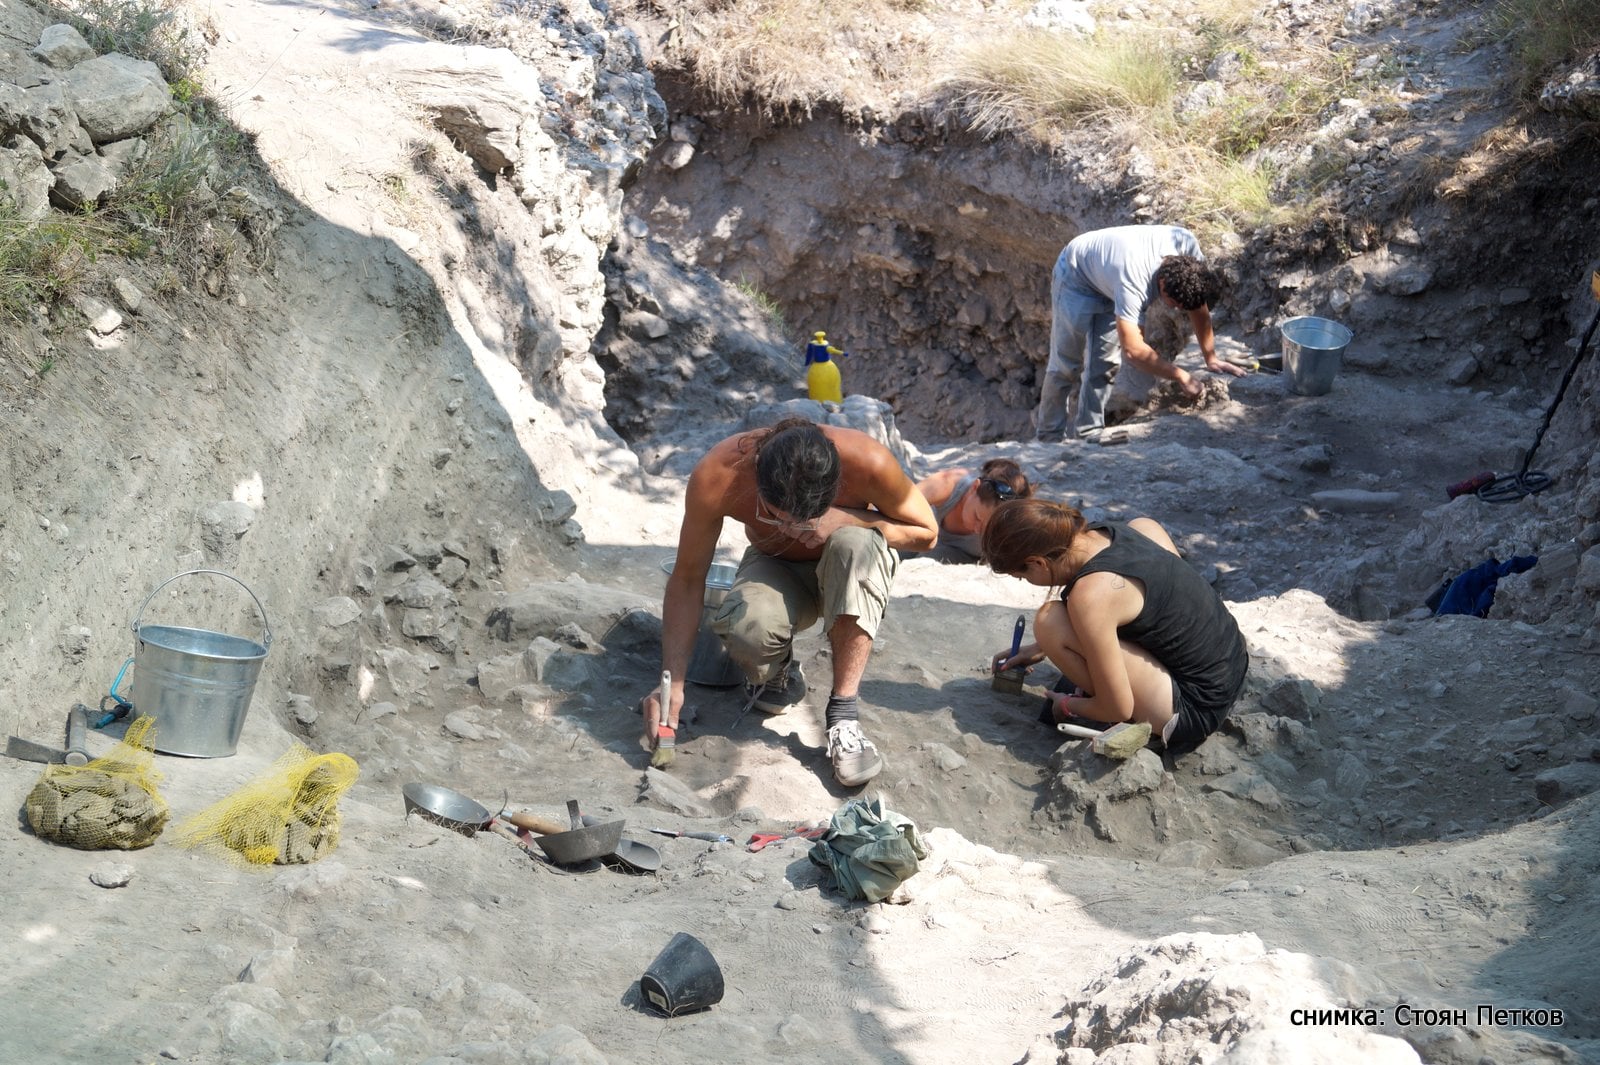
(924,254)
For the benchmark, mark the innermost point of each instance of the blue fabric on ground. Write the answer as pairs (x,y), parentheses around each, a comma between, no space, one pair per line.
(1473,591)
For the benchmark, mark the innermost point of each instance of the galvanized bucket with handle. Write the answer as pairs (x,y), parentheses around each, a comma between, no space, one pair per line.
(1312,350)
(196,683)
(710,665)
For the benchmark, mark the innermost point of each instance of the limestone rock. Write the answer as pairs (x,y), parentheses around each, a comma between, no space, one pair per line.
(1555,787)
(1293,697)
(61,46)
(25,181)
(542,609)
(115,96)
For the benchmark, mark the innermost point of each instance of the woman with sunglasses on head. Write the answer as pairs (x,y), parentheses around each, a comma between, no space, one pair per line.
(962,501)
(1141,634)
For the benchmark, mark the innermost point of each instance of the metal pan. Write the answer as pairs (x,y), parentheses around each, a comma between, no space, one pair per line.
(581,844)
(455,811)
(633,855)
(449,809)
(636,856)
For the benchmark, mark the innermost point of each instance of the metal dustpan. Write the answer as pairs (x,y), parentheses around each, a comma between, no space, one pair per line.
(632,854)
(581,844)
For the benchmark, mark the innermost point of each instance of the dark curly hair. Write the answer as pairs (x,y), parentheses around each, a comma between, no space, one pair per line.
(1002,471)
(1191,283)
(797,469)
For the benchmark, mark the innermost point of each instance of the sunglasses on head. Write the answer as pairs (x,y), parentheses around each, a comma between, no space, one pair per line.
(1001,488)
(780,523)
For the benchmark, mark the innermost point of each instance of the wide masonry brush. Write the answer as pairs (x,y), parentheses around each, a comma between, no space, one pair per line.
(666,736)
(1121,741)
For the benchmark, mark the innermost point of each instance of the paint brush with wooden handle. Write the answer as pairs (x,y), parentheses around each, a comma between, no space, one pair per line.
(666,734)
(1120,741)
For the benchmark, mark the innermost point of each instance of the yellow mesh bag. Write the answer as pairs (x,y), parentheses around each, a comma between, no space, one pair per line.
(287,816)
(109,804)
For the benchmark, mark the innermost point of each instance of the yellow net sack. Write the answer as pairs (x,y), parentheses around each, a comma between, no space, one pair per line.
(112,803)
(287,816)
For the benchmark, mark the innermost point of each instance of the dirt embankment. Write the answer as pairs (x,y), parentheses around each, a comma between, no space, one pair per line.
(391,437)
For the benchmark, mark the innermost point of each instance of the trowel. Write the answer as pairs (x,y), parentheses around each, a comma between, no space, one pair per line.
(575,845)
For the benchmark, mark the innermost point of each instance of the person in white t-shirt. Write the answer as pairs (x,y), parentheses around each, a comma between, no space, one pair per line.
(1101,285)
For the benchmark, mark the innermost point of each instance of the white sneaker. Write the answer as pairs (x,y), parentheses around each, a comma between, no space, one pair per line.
(855,759)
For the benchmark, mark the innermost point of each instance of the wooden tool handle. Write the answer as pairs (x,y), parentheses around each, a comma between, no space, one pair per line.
(534,823)
(499,829)
(78,735)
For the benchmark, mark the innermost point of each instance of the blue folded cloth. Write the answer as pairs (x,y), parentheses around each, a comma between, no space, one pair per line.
(1473,591)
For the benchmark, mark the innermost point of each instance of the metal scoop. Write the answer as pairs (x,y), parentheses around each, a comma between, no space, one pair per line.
(581,844)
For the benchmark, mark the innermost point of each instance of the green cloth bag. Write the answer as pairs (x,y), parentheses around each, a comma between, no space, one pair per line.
(869,850)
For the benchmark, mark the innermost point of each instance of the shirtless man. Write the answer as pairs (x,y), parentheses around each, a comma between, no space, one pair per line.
(827,511)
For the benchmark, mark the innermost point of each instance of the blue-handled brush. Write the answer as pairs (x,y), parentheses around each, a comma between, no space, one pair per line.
(1010,680)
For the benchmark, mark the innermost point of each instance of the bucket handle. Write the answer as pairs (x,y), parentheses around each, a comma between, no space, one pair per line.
(266,630)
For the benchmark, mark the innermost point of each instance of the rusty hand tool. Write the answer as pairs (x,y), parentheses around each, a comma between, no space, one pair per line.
(760,840)
(533,823)
(500,828)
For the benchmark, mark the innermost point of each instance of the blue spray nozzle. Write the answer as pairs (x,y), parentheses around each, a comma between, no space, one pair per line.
(819,350)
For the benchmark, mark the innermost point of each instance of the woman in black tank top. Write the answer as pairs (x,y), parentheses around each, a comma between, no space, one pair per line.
(1140,633)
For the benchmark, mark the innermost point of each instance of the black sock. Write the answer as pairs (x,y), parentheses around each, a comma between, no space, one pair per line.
(841,708)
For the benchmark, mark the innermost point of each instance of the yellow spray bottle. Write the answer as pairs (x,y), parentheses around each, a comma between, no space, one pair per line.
(822,373)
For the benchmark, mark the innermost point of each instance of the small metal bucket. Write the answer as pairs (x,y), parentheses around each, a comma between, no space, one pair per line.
(1312,350)
(709,665)
(196,683)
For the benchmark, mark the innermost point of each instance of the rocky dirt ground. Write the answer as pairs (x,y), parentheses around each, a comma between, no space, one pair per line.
(461,564)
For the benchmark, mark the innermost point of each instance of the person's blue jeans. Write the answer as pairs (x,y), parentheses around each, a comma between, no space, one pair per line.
(1083,339)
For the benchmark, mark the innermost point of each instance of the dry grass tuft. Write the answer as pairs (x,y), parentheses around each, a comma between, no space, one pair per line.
(1035,79)
(1544,34)
(42,261)
(1225,194)
(1497,160)
(792,55)
(1222,98)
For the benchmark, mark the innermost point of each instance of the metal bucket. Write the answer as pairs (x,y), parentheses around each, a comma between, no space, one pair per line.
(196,683)
(1312,349)
(709,665)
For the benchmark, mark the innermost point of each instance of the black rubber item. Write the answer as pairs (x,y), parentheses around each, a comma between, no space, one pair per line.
(684,978)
